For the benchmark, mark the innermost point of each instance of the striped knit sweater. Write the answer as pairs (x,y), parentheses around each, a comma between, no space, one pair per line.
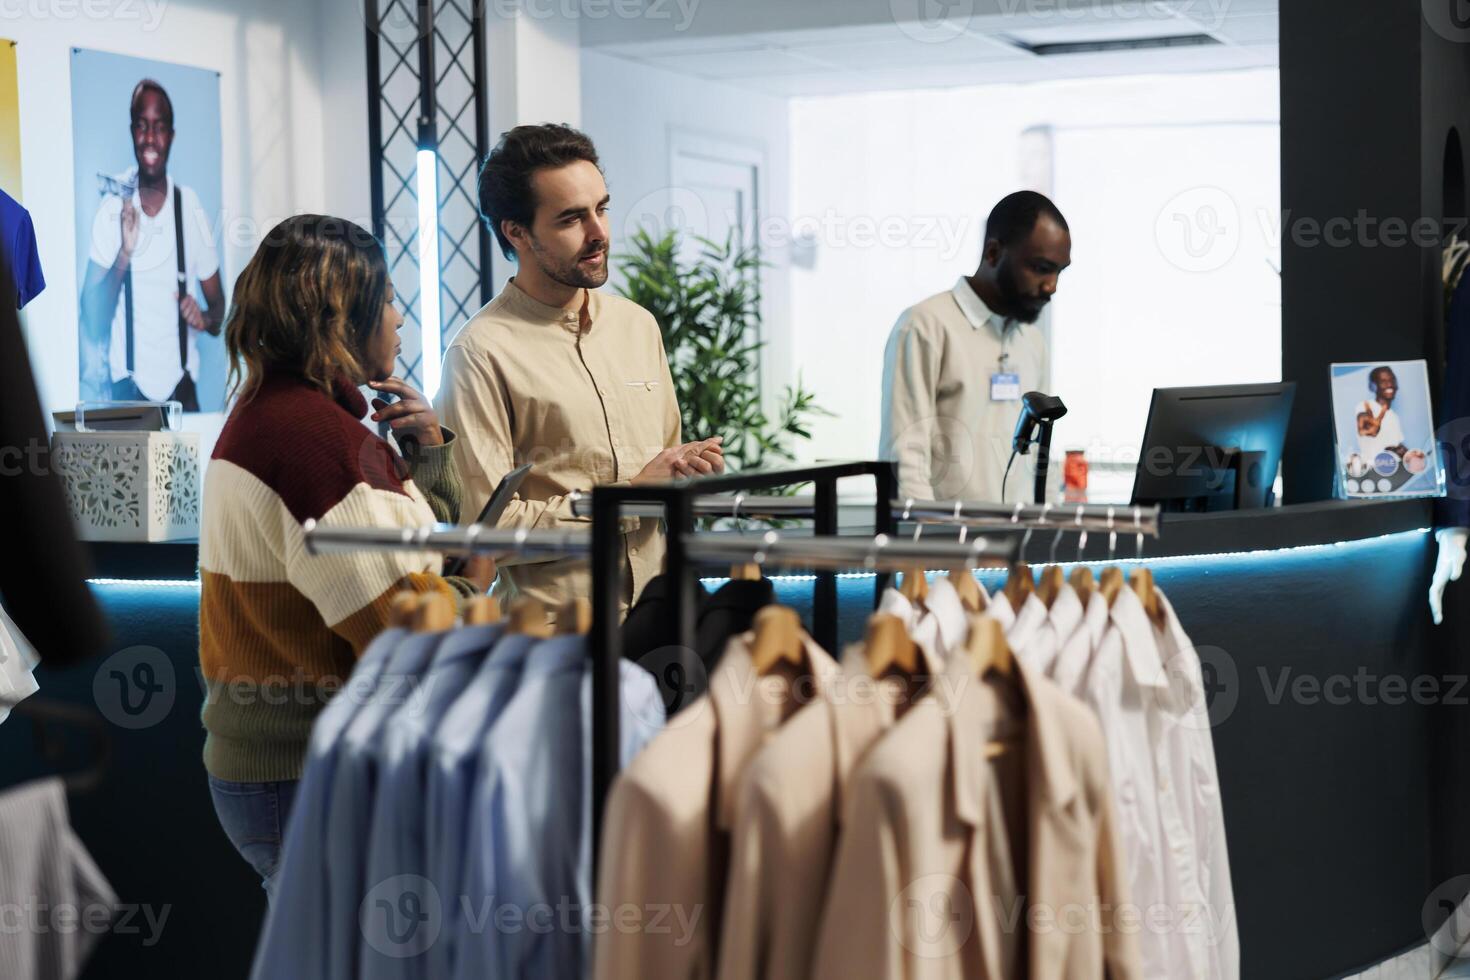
(279,629)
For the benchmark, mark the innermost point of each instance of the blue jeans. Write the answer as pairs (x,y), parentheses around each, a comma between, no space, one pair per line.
(253,816)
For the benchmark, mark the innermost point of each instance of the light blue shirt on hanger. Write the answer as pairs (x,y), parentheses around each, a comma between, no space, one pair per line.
(291,942)
(351,807)
(397,927)
(529,859)
(455,755)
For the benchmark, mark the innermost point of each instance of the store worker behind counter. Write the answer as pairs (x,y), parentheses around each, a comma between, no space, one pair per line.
(312,319)
(958,363)
(555,373)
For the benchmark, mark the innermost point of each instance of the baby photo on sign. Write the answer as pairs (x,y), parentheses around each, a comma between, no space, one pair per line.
(1384,430)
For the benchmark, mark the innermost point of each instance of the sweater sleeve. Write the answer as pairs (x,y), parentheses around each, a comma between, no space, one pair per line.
(436,476)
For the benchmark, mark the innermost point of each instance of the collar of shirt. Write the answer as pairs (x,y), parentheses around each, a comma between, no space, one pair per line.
(976,712)
(860,707)
(573,321)
(925,629)
(948,614)
(1179,661)
(1029,619)
(1140,651)
(975,310)
(1066,613)
(1095,620)
(999,609)
(749,707)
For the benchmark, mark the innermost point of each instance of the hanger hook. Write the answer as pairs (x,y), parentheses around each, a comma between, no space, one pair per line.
(880,541)
(1112,536)
(735,510)
(1138,525)
(959,507)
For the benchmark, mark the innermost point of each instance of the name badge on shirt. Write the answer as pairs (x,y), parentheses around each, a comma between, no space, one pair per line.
(1005,386)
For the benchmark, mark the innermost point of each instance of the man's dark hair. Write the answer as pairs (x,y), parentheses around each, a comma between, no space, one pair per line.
(1012,220)
(149,85)
(505,180)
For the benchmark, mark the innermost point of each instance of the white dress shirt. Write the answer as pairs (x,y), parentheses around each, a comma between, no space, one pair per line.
(1168,799)
(1070,668)
(941,625)
(1039,632)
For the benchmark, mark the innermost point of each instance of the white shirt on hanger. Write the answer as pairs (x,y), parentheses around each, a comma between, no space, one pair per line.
(1039,632)
(17,661)
(940,625)
(1165,799)
(1070,668)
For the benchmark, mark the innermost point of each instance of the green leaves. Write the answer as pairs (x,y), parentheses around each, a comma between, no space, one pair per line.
(708,309)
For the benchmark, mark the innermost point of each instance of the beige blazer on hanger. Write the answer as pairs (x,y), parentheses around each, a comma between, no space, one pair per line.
(923,885)
(666,833)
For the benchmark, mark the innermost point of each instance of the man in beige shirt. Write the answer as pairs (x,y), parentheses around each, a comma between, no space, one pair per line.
(957,364)
(555,374)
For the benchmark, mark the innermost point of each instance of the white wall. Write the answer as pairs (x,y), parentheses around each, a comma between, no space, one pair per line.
(633,113)
(293,128)
(895,188)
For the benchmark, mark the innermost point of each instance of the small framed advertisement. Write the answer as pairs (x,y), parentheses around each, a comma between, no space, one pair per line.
(1384,431)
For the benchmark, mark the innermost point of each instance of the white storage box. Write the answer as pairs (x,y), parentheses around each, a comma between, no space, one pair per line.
(130,486)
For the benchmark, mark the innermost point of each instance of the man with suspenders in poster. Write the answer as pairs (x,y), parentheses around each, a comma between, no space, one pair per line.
(149,242)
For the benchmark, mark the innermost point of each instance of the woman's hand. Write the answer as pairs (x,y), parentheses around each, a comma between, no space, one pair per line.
(411,417)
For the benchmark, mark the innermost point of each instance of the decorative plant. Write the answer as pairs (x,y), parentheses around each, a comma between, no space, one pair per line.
(709,312)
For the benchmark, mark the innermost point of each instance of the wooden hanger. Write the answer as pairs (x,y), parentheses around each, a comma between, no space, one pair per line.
(915,587)
(1083,583)
(888,647)
(1019,585)
(987,648)
(972,597)
(1052,580)
(403,609)
(777,639)
(528,618)
(481,611)
(1142,584)
(748,572)
(435,614)
(989,653)
(574,618)
(1111,583)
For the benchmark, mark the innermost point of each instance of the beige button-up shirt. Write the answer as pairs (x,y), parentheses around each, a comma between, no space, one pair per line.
(926,882)
(666,833)
(585,397)
(789,814)
(950,440)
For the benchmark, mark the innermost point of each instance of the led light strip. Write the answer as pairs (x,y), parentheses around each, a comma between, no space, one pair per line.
(430,327)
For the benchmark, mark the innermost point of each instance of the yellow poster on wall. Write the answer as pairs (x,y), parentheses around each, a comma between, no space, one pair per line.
(9,121)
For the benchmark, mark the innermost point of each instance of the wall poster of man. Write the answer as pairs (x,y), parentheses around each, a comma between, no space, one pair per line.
(146,139)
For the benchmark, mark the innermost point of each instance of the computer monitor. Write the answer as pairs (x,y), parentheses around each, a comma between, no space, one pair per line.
(1213,448)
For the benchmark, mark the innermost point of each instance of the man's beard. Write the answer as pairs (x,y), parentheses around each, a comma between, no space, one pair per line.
(1023,308)
(571,273)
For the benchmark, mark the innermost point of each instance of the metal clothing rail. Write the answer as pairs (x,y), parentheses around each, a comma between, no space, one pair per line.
(1034,517)
(881,553)
(448,539)
(738,506)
